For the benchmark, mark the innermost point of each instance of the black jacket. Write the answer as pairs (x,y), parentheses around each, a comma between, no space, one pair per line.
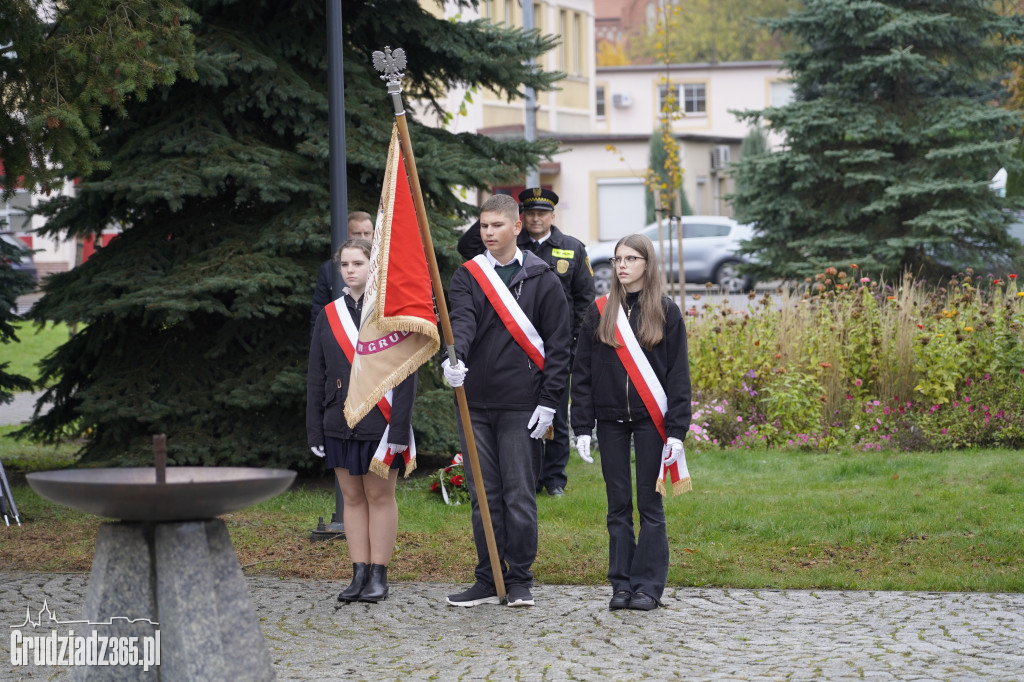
(501,375)
(601,388)
(566,255)
(327,387)
(322,293)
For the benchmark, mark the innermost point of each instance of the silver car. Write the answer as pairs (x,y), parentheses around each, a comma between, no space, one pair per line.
(710,245)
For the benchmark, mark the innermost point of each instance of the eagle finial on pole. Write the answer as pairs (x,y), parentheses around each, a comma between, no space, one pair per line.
(391,62)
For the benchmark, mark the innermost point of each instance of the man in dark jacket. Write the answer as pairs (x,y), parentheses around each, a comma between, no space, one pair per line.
(568,256)
(519,372)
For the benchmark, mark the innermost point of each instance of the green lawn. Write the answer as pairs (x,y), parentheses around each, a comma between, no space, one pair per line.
(33,345)
(946,521)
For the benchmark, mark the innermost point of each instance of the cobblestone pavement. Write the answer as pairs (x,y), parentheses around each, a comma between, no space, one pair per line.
(709,634)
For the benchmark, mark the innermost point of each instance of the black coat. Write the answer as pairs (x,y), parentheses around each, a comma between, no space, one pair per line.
(501,374)
(566,255)
(327,386)
(322,293)
(601,388)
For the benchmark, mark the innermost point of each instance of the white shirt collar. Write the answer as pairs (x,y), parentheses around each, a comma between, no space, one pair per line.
(542,239)
(518,258)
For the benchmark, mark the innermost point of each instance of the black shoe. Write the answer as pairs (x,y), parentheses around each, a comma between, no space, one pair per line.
(351,593)
(476,595)
(642,602)
(376,588)
(620,600)
(519,595)
(557,491)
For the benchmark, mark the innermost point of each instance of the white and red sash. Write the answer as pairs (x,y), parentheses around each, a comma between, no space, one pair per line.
(653,395)
(346,334)
(515,320)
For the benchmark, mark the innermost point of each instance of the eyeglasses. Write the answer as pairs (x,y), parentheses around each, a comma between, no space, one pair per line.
(629,259)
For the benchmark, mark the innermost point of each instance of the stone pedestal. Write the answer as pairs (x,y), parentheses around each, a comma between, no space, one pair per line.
(186,579)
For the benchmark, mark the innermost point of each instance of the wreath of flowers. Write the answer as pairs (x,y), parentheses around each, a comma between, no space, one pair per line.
(451,483)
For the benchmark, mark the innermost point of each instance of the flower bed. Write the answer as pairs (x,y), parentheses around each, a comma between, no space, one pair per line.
(857,363)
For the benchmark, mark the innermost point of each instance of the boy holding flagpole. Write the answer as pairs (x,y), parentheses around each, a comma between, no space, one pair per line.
(632,377)
(512,334)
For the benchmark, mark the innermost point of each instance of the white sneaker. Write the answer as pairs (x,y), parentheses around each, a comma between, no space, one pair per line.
(519,595)
(475,596)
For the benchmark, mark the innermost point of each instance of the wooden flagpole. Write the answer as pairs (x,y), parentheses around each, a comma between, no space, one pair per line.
(391,64)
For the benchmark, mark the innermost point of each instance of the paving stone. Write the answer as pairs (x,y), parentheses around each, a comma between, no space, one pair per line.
(706,634)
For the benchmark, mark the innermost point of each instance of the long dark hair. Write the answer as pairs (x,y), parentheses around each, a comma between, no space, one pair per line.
(651,328)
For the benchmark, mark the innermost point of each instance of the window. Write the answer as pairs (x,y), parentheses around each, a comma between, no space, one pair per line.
(508,12)
(700,230)
(663,94)
(694,100)
(690,98)
(780,93)
(620,207)
(562,20)
(577,45)
(599,101)
(12,213)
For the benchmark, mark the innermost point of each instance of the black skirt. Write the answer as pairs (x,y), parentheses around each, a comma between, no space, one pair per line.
(354,455)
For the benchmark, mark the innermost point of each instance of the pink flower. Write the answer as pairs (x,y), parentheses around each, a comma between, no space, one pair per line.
(858,382)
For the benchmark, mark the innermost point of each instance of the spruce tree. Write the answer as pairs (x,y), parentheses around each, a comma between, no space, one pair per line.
(194,322)
(65,63)
(890,143)
(13,283)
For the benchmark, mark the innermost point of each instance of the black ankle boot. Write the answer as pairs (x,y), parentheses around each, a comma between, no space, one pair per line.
(376,588)
(351,593)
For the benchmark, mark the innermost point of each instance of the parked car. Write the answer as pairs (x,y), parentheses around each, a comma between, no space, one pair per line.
(25,263)
(710,253)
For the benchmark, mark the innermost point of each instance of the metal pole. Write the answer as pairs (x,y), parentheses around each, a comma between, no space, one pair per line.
(530,129)
(338,180)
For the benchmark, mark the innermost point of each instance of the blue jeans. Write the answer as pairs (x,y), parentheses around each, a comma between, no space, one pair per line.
(635,563)
(509,461)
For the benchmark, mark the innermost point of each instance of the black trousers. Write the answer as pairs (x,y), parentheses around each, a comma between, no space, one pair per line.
(509,460)
(637,563)
(556,450)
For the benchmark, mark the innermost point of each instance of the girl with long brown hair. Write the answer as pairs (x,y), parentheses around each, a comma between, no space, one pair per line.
(632,378)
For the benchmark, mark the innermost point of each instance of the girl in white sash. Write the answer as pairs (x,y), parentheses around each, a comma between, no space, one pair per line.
(371,512)
(632,378)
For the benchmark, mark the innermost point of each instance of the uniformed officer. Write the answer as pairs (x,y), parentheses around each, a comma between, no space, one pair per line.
(568,257)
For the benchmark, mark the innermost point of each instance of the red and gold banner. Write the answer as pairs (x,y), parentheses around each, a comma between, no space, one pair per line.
(398,332)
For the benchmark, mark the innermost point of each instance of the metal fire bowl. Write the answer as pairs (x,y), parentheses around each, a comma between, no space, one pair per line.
(132,494)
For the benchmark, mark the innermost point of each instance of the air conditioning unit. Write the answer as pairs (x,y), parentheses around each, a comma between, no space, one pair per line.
(622,101)
(720,157)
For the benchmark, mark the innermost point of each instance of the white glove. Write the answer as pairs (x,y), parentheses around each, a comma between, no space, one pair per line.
(583,447)
(397,449)
(318,450)
(543,418)
(672,451)
(454,374)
